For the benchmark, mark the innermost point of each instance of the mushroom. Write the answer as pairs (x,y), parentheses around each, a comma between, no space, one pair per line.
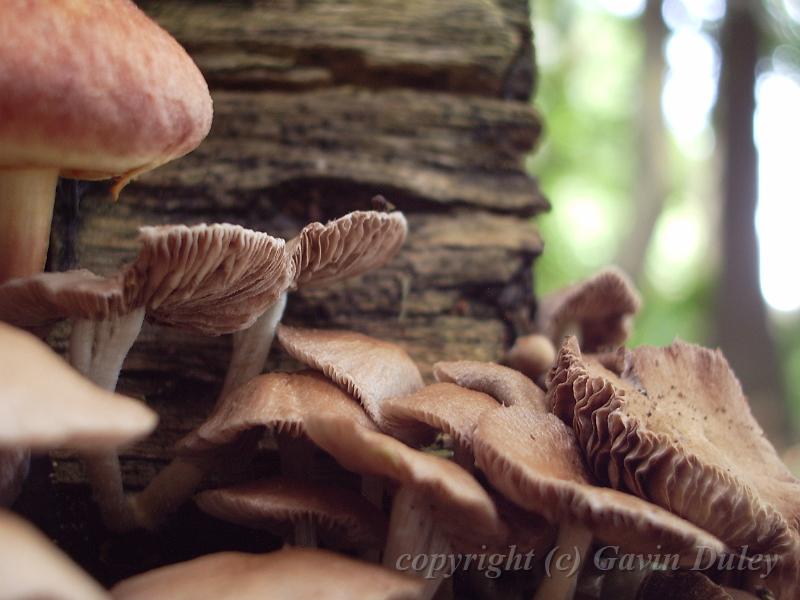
(676,429)
(40,300)
(63,409)
(532,458)
(369,369)
(508,386)
(439,505)
(417,418)
(288,574)
(32,567)
(532,354)
(276,402)
(598,309)
(321,255)
(180,278)
(90,90)
(342,518)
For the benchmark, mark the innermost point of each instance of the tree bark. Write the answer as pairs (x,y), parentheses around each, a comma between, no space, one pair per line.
(318,107)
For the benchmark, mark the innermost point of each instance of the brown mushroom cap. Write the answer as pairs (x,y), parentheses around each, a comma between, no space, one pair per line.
(676,429)
(45,404)
(280,402)
(95,89)
(532,355)
(45,298)
(32,567)
(533,459)
(446,407)
(507,386)
(348,246)
(213,279)
(600,306)
(288,574)
(369,369)
(460,505)
(344,518)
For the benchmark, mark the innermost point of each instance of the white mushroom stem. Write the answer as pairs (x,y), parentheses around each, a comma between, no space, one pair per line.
(565,563)
(97,349)
(413,531)
(171,487)
(179,480)
(251,348)
(26,210)
(105,477)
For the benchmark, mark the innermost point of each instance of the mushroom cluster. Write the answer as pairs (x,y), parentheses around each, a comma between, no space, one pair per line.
(390,483)
(493,481)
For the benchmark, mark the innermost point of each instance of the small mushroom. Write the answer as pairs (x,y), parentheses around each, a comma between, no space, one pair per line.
(508,386)
(211,279)
(122,98)
(598,310)
(40,300)
(320,255)
(46,404)
(439,505)
(417,418)
(532,354)
(32,567)
(369,369)
(63,409)
(277,402)
(676,429)
(339,517)
(288,574)
(532,458)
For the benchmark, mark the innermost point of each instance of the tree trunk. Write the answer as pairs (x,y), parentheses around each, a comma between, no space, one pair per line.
(319,106)
(742,330)
(652,162)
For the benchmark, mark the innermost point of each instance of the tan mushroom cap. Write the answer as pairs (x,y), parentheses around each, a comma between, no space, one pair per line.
(45,404)
(532,355)
(460,505)
(507,386)
(676,429)
(95,89)
(45,298)
(345,247)
(32,567)
(600,306)
(444,407)
(279,402)
(369,369)
(288,574)
(344,519)
(533,459)
(213,279)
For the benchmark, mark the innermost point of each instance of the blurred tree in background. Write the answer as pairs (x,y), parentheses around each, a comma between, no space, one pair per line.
(654,110)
